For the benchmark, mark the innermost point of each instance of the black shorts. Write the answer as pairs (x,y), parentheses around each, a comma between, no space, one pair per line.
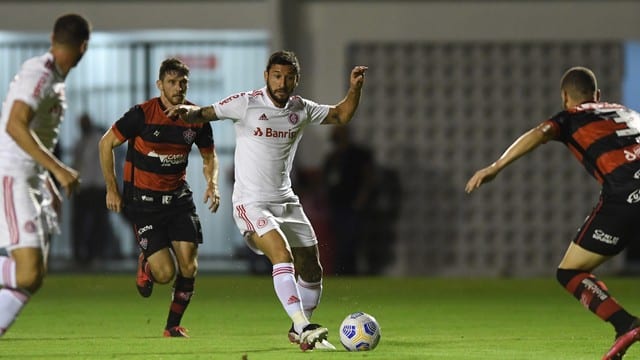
(156,230)
(613,223)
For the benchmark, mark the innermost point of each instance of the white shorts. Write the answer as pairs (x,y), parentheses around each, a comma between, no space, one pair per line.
(288,216)
(23,222)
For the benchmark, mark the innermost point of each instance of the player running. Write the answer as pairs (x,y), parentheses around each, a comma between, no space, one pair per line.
(157,198)
(29,122)
(269,123)
(605,138)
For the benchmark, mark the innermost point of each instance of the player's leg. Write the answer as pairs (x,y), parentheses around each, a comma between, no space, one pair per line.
(155,262)
(183,287)
(274,245)
(309,271)
(21,272)
(22,275)
(603,235)
(183,225)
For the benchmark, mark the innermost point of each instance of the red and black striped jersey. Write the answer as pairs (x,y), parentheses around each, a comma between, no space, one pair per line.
(158,151)
(605,138)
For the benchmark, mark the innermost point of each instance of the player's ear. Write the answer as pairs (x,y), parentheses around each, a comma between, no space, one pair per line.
(598,95)
(159,84)
(266,76)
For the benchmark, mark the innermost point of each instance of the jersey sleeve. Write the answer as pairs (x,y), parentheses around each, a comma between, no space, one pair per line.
(31,83)
(130,124)
(557,123)
(317,113)
(204,139)
(233,107)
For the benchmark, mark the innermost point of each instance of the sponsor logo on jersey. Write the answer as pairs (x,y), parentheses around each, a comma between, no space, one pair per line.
(156,133)
(273,133)
(632,155)
(144,229)
(637,175)
(634,197)
(263,117)
(293,118)
(189,136)
(605,238)
(169,159)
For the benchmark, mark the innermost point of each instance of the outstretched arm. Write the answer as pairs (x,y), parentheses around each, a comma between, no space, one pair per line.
(342,112)
(523,145)
(192,113)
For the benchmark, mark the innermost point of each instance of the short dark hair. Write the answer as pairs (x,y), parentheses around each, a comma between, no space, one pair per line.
(173,65)
(71,29)
(284,57)
(579,82)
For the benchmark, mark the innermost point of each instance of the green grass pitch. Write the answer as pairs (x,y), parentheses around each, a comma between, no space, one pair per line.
(236,317)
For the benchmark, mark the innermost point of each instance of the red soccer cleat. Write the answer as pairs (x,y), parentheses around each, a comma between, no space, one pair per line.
(622,343)
(176,331)
(144,282)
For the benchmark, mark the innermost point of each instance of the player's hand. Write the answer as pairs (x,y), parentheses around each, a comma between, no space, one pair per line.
(180,111)
(357,76)
(68,179)
(212,194)
(114,201)
(480,177)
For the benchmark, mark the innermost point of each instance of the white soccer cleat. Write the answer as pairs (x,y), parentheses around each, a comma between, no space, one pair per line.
(324,345)
(311,335)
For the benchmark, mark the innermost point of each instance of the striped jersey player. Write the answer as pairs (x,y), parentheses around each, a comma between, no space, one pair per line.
(605,138)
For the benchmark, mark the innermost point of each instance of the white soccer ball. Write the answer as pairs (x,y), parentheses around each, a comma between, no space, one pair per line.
(359,332)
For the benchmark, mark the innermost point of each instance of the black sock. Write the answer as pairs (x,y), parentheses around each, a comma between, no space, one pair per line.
(182,292)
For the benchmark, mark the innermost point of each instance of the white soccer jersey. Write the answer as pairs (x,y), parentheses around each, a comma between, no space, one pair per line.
(41,86)
(267,138)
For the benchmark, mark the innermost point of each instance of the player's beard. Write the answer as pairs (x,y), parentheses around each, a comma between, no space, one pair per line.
(177,99)
(278,100)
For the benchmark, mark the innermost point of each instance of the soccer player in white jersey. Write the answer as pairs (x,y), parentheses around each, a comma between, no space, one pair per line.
(269,123)
(31,115)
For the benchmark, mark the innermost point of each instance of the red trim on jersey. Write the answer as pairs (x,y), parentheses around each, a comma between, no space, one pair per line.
(145,147)
(590,133)
(611,160)
(152,181)
(586,224)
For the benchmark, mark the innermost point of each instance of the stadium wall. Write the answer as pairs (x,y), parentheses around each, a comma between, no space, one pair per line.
(330,35)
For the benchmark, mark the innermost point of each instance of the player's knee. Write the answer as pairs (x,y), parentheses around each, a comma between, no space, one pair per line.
(565,275)
(30,280)
(189,270)
(162,274)
(311,272)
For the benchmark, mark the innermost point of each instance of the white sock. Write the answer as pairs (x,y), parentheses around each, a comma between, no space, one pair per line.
(11,302)
(310,293)
(7,272)
(284,283)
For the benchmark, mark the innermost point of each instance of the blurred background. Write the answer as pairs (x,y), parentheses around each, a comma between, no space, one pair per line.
(450,85)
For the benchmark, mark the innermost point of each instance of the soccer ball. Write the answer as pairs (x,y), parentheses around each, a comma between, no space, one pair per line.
(359,332)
